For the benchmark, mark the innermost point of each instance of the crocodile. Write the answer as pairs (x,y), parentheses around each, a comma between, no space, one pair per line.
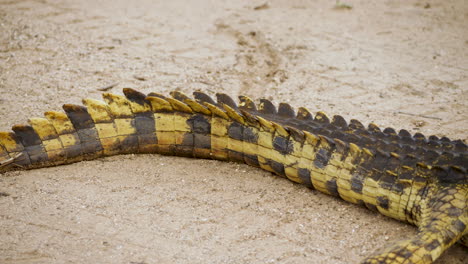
(418,180)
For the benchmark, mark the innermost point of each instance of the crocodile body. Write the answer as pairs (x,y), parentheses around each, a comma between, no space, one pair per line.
(407,177)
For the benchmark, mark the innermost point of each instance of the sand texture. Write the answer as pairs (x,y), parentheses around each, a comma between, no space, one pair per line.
(397,63)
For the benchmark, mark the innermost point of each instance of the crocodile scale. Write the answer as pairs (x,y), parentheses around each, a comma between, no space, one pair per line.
(419,180)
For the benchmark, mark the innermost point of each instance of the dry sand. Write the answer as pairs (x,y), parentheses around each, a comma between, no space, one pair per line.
(378,61)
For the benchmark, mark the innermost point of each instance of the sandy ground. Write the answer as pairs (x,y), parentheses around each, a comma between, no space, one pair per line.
(398,63)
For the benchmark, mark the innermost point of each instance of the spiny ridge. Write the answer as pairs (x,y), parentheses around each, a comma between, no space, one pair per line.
(430,150)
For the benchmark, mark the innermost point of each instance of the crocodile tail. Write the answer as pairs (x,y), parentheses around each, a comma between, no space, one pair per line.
(121,124)
(303,148)
(56,139)
(133,123)
(444,221)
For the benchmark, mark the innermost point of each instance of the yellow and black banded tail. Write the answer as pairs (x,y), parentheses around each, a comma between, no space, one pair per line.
(423,182)
(121,125)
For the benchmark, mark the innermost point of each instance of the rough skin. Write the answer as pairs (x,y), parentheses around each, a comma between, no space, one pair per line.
(407,177)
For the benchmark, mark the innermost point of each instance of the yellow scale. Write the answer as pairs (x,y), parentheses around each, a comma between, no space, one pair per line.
(106,126)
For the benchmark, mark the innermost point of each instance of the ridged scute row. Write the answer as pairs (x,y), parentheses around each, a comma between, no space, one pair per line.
(72,135)
(431,151)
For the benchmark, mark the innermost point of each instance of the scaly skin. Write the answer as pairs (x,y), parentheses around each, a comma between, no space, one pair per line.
(410,178)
